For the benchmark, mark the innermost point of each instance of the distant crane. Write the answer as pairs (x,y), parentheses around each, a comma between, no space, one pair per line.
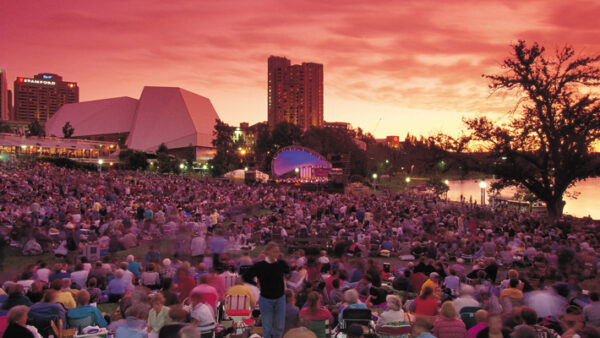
(376,125)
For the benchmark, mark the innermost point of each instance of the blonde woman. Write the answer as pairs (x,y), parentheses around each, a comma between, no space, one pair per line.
(393,314)
(158,315)
(448,325)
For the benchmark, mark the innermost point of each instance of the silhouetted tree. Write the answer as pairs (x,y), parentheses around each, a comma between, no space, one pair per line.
(133,159)
(190,155)
(269,142)
(68,130)
(227,157)
(166,163)
(546,145)
(436,185)
(5,128)
(36,129)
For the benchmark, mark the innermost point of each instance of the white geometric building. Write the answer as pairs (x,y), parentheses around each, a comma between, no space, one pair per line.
(170,115)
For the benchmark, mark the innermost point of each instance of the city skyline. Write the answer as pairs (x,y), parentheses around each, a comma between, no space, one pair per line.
(415,65)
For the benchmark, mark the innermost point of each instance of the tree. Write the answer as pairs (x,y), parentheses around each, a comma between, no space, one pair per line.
(133,159)
(68,130)
(166,163)
(227,157)
(5,128)
(190,156)
(546,145)
(269,142)
(36,129)
(438,187)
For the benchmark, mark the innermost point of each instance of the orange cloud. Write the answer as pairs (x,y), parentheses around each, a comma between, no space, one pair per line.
(418,64)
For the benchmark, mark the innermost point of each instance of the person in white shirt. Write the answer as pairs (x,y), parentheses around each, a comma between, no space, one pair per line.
(127,275)
(202,314)
(79,276)
(43,273)
(198,248)
(323,259)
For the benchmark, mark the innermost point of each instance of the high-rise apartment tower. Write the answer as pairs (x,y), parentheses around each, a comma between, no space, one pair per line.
(295,93)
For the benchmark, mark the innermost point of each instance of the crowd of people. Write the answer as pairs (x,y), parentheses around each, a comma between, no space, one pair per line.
(443,269)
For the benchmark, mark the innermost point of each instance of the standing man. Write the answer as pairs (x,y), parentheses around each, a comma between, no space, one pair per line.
(270,273)
(218,246)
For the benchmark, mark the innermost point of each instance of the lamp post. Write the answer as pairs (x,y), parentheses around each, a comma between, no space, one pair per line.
(447,183)
(100,161)
(482,185)
(374,181)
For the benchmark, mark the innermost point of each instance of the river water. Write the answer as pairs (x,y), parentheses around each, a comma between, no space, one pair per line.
(587,202)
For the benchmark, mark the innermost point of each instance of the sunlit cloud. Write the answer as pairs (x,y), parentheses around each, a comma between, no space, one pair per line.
(417,64)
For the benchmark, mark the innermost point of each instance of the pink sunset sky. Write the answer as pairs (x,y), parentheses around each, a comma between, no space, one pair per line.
(414,66)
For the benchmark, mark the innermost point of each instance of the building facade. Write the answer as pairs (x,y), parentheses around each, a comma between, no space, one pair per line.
(295,93)
(40,97)
(4,105)
(338,125)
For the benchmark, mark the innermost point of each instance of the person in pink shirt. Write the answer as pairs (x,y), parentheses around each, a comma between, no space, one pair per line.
(481,317)
(448,325)
(314,310)
(208,293)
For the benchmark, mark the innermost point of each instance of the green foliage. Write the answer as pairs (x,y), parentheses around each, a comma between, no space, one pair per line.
(166,163)
(436,185)
(270,141)
(36,129)
(522,194)
(5,128)
(190,156)
(546,143)
(133,159)
(228,155)
(68,130)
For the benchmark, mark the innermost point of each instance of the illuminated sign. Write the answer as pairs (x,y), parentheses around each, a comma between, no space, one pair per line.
(47,77)
(36,81)
(319,172)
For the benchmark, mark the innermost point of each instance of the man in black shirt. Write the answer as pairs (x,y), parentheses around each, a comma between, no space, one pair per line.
(270,274)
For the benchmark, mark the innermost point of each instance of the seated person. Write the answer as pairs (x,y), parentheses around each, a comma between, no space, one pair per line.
(48,309)
(351,301)
(314,311)
(84,310)
(17,323)
(177,316)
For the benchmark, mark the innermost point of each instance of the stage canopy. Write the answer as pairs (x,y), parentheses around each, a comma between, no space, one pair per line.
(292,157)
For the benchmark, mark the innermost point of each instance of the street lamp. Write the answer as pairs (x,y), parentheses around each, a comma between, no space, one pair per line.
(407,180)
(446,182)
(374,181)
(100,161)
(482,185)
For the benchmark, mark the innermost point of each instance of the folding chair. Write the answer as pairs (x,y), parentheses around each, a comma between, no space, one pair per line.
(237,307)
(319,327)
(230,280)
(356,316)
(80,323)
(389,331)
